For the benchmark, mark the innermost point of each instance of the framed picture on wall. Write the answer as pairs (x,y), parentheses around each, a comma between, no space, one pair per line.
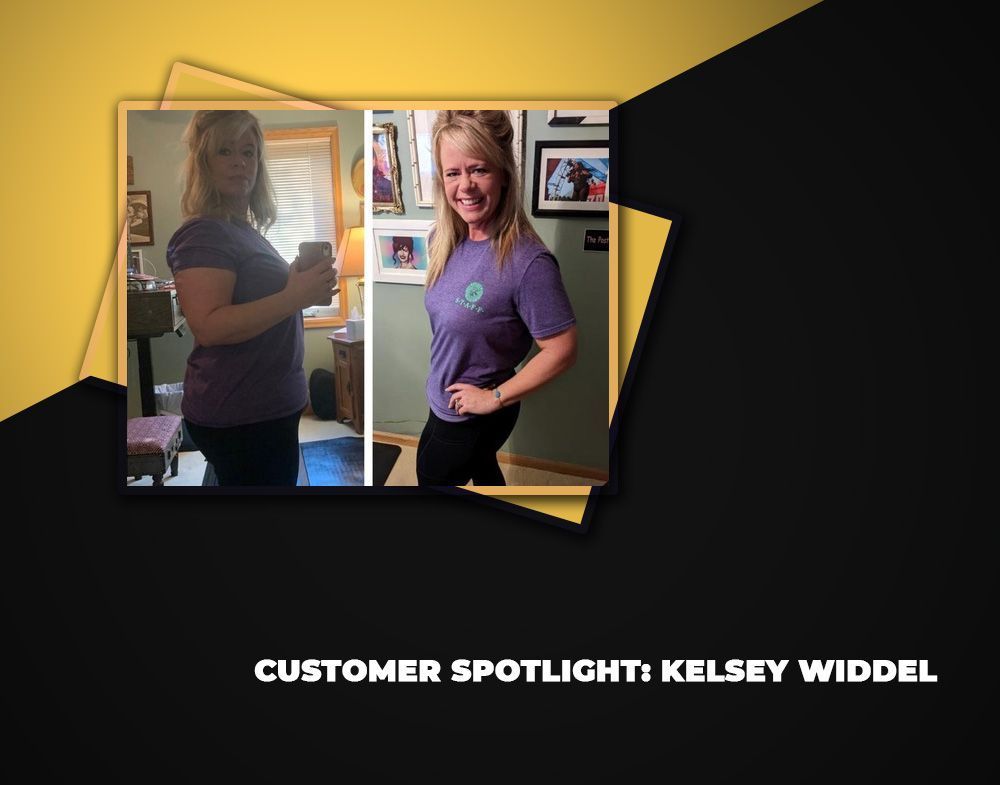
(387,196)
(419,124)
(140,218)
(571,178)
(578,117)
(399,249)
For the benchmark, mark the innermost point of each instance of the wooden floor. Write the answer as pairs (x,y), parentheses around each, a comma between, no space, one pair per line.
(404,472)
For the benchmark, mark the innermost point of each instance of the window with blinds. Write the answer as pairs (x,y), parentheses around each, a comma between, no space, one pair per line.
(302,164)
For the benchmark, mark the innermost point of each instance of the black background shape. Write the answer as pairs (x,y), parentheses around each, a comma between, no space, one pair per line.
(800,477)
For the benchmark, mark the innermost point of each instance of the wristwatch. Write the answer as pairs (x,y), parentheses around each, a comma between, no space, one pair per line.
(497,396)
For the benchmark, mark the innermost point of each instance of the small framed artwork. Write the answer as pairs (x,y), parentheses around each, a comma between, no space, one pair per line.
(571,178)
(400,251)
(419,124)
(578,117)
(140,218)
(387,196)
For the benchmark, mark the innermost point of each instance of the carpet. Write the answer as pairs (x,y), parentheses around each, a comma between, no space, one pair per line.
(336,462)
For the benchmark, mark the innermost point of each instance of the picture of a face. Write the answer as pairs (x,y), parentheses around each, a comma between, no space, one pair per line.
(402,256)
(403,252)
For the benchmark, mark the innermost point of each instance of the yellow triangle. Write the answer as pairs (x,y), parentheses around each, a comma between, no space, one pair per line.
(102,359)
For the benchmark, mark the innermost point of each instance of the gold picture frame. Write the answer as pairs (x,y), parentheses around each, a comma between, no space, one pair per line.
(387,191)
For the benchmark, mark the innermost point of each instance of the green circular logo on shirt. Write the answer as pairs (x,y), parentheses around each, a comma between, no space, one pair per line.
(473,291)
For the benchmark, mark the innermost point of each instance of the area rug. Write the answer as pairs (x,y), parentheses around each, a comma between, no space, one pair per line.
(336,462)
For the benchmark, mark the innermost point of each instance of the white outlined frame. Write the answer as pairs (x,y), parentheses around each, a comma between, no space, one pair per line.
(381,229)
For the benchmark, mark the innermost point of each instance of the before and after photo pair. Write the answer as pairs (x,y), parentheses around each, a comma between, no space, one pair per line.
(368,298)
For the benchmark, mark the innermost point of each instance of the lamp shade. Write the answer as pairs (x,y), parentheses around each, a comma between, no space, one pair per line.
(351,253)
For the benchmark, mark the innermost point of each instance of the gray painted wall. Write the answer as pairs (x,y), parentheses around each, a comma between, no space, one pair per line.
(566,420)
(157,155)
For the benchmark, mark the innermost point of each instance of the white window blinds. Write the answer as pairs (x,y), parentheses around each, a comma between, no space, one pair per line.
(301,173)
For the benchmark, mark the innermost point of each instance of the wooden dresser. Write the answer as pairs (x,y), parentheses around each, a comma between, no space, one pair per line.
(349,378)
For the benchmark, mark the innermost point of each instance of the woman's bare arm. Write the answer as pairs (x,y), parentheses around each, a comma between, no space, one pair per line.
(556,355)
(206,297)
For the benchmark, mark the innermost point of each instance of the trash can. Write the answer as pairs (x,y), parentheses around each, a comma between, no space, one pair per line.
(168,401)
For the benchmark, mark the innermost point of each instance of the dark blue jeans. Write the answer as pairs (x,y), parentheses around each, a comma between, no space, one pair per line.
(452,453)
(261,454)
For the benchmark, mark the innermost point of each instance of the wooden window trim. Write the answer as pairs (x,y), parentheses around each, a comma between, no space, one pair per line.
(313,322)
(333,134)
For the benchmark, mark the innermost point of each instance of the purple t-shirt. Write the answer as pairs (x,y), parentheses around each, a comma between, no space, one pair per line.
(483,320)
(253,381)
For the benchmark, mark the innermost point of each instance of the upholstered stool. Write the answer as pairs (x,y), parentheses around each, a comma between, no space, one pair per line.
(153,446)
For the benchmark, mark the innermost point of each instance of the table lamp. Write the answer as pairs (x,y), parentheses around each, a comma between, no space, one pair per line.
(351,258)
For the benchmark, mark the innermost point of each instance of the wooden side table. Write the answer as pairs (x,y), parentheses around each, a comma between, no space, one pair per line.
(349,378)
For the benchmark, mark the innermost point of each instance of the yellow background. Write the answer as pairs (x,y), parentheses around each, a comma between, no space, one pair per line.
(64,66)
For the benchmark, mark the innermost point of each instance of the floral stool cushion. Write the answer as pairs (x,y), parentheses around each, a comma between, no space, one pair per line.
(153,444)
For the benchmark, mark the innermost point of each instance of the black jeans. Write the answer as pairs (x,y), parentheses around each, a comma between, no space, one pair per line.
(261,454)
(452,453)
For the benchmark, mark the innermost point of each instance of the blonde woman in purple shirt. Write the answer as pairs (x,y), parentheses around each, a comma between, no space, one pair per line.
(493,291)
(244,388)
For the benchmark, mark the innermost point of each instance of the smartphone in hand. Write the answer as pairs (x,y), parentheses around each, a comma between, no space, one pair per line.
(311,254)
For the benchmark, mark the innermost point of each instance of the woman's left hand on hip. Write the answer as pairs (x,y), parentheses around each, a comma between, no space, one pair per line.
(467,399)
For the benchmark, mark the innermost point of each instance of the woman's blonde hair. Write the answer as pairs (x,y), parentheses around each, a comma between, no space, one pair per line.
(487,135)
(206,132)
